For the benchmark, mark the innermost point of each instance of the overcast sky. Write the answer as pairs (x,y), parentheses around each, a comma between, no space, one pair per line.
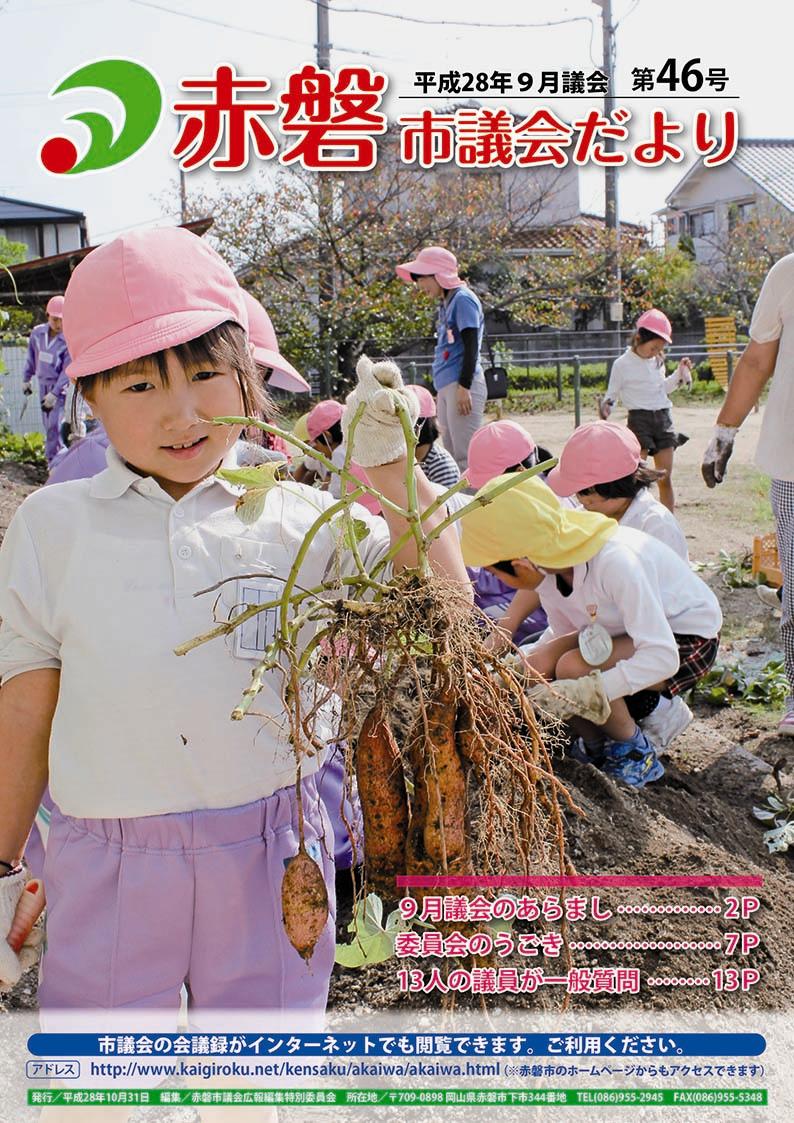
(44,40)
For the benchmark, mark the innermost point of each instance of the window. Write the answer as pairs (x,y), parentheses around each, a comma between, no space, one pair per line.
(740,212)
(701,224)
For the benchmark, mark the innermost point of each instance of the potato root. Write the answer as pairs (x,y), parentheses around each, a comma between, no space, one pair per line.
(304,903)
(384,802)
(28,911)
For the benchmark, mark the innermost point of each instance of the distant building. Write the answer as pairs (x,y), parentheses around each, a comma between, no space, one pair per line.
(707,203)
(46,231)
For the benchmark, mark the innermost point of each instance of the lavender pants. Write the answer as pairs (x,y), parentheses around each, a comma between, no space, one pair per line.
(137,907)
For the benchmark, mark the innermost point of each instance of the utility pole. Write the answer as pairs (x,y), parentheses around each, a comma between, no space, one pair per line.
(325,206)
(614,302)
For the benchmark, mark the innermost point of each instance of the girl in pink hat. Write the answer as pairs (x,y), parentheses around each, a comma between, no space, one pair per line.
(640,380)
(457,371)
(172,826)
(601,465)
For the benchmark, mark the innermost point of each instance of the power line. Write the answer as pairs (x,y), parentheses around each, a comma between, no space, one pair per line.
(453,22)
(250,30)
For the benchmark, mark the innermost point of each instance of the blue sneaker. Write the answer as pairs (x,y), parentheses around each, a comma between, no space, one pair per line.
(634,762)
(584,754)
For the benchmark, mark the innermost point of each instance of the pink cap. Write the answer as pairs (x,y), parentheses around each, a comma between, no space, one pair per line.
(323,416)
(656,321)
(427,403)
(495,447)
(55,306)
(263,336)
(145,292)
(597,453)
(432,261)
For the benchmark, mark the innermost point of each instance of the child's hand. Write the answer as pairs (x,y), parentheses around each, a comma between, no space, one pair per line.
(684,372)
(17,928)
(378,437)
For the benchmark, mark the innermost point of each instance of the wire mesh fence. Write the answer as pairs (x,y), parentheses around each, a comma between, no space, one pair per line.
(20,413)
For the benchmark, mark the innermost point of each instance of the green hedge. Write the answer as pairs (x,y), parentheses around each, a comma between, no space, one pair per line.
(522,379)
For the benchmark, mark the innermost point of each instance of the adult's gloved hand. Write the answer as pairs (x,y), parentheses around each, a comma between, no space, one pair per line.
(717,455)
(27,388)
(378,437)
(49,401)
(12,962)
(574,697)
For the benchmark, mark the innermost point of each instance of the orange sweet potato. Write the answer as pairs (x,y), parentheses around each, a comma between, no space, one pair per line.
(384,801)
(445,835)
(304,903)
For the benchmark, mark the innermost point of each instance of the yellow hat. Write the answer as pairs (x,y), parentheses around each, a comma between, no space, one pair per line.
(300,430)
(527,521)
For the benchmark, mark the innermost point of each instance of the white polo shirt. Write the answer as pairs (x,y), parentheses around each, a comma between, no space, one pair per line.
(773,318)
(635,586)
(647,514)
(98,577)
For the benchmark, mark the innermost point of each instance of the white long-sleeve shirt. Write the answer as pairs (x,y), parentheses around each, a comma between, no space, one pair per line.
(640,383)
(98,579)
(637,587)
(647,514)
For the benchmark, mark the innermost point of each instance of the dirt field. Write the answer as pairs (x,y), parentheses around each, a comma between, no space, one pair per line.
(697,819)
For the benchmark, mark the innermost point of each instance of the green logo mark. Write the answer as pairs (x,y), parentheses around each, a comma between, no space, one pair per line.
(141,97)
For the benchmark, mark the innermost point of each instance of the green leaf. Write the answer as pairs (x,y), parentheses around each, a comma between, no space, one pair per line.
(364,950)
(351,531)
(764,814)
(249,507)
(259,476)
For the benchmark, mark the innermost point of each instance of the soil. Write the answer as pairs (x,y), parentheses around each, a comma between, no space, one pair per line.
(697,819)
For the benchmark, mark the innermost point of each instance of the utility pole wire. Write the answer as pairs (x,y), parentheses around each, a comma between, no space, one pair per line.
(455,22)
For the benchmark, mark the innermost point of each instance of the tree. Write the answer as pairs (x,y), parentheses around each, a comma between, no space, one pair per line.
(272,234)
(12,320)
(729,282)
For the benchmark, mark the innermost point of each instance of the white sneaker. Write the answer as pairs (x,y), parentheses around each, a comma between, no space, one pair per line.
(768,595)
(666,722)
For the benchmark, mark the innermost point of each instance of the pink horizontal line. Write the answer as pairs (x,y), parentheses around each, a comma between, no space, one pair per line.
(559,881)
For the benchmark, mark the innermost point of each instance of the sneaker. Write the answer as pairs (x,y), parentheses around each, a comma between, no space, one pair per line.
(579,751)
(634,762)
(786,726)
(768,595)
(670,718)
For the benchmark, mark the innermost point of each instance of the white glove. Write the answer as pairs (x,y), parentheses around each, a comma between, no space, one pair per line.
(48,401)
(717,455)
(574,697)
(378,436)
(12,965)
(684,373)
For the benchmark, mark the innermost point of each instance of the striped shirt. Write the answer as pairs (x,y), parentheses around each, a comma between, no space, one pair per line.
(440,467)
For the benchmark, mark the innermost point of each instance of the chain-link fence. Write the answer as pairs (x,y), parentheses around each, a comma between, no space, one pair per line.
(21,413)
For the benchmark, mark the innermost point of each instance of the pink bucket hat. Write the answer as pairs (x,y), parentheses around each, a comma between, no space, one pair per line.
(55,306)
(145,292)
(432,261)
(262,335)
(597,453)
(494,448)
(323,416)
(656,321)
(427,403)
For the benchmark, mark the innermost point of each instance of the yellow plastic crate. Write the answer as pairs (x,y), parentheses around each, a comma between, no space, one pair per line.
(766,560)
